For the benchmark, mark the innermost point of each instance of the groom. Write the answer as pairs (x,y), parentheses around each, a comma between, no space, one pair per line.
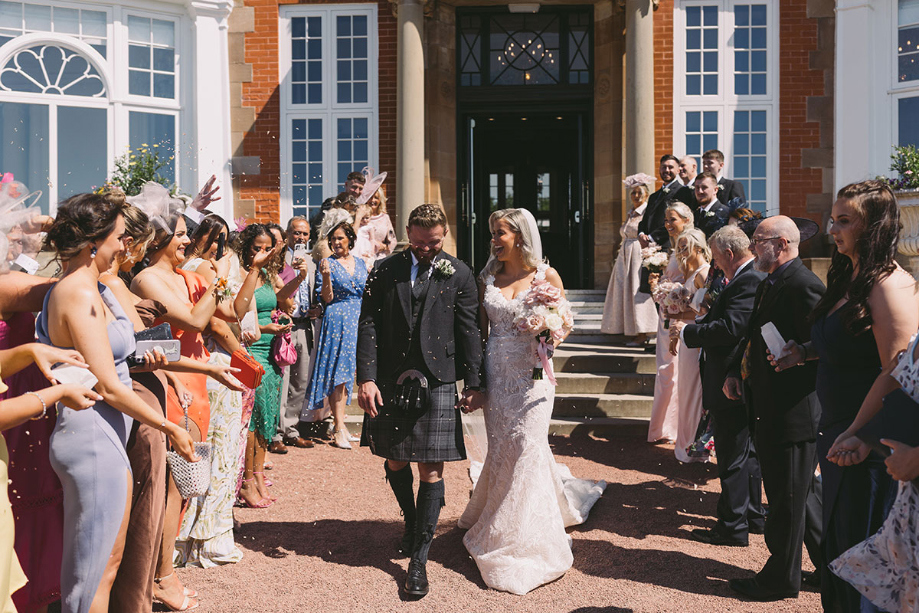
(417,336)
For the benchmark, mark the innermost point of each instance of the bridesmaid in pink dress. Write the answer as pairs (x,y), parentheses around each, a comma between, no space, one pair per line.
(35,491)
(665,410)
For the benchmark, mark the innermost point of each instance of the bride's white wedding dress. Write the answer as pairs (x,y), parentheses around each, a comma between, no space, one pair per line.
(523,500)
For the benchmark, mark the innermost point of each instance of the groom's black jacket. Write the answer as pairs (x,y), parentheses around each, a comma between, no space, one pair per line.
(449,333)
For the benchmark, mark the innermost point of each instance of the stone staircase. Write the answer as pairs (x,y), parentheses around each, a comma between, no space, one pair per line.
(603,386)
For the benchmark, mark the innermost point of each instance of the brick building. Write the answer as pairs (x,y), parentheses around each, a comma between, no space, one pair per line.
(543,104)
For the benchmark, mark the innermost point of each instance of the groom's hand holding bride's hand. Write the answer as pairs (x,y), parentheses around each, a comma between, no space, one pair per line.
(369,398)
(472,400)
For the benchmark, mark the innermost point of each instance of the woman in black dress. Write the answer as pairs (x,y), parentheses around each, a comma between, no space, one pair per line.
(865,318)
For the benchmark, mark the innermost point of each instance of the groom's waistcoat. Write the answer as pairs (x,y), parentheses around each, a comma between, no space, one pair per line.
(437,331)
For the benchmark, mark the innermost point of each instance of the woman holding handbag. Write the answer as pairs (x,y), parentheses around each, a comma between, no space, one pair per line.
(88,447)
(190,303)
(252,243)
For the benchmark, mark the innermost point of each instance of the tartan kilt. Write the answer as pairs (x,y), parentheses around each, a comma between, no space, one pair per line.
(432,435)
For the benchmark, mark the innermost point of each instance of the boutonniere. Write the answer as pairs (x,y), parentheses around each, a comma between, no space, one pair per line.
(666,190)
(709,214)
(443,269)
(720,187)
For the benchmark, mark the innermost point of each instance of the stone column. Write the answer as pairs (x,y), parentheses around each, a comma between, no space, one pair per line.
(855,53)
(211,94)
(639,87)
(410,110)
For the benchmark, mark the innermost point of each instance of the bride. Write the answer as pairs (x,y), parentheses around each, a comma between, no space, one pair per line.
(523,500)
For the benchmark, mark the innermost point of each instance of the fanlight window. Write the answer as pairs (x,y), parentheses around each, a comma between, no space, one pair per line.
(50,69)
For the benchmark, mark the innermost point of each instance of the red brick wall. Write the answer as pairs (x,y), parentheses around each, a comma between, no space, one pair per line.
(796,83)
(263,94)
(663,80)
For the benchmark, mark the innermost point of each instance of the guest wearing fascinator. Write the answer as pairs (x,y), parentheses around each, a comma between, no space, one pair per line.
(190,302)
(628,310)
(88,447)
(36,493)
(380,233)
(146,448)
(864,320)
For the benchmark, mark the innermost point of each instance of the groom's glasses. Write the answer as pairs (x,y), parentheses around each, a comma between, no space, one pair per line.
(431,245)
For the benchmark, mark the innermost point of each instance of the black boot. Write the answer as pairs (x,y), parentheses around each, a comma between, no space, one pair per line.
(430,501)
(401,483)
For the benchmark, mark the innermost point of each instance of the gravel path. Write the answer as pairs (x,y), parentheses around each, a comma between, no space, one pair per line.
(327,544)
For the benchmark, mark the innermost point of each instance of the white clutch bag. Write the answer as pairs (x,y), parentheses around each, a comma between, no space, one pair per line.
(192,479)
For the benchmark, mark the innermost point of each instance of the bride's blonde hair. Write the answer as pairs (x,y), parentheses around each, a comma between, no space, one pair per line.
(518,224)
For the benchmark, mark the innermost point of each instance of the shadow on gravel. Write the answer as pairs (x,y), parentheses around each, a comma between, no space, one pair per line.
(365,543)
(651,508)
(631,453)
(673,569)
(602,610)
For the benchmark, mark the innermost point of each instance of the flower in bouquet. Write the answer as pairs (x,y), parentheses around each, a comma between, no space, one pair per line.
(654,259)
(544,313)
(677,299)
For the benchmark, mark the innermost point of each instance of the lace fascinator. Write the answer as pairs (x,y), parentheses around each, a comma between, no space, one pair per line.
(638,179)
(162,209)
(372,183)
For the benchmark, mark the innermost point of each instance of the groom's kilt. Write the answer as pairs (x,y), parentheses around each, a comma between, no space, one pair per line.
(431,435)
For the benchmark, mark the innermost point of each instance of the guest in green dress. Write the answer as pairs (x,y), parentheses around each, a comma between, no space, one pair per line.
(270,290)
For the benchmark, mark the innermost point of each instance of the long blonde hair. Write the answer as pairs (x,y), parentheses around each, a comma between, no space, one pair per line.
(518,223)
(695,239)
(381,191)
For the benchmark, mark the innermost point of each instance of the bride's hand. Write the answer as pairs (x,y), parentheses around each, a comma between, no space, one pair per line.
(472,400)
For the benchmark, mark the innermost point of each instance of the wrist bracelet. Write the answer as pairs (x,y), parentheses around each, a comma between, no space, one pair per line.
(44,407)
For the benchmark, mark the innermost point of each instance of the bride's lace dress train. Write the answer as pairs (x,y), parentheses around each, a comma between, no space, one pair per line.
(523,500)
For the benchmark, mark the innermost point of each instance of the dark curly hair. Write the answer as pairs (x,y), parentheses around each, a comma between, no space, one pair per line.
(82,220)
(243,246)
(349,232)
(877,210)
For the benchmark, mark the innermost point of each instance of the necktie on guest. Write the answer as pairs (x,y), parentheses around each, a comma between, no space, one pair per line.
(303,298)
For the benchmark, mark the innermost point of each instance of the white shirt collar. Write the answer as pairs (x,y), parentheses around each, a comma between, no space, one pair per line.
(709,206)
(740,269)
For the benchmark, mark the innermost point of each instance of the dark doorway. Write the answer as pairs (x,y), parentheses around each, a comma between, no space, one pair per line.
(537,162)
(525,96)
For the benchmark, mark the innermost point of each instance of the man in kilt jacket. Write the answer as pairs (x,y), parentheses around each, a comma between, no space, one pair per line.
(419,313)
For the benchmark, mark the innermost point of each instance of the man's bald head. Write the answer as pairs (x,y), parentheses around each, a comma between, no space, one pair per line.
(781,225)
(770,251)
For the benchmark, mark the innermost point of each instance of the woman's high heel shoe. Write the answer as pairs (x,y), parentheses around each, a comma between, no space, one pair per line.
(264,503)
(341,439)
(188,603)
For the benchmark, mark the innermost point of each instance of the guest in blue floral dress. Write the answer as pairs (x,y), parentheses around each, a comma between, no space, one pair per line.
(340,282)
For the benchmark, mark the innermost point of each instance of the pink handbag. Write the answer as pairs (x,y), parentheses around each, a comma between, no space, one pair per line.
(283,350)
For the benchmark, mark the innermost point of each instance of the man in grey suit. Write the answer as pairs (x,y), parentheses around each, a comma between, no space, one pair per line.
(297,376)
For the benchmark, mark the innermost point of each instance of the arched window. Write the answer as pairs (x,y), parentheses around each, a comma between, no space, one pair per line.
(54,118)
(78,87)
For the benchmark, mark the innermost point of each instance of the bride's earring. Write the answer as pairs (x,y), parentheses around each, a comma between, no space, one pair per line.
(92,252)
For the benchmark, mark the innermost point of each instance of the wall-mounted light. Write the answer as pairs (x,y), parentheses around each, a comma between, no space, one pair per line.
(524,8)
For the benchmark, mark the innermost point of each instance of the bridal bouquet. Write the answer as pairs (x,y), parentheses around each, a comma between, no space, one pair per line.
(654,259)
(672,297)
(545,314)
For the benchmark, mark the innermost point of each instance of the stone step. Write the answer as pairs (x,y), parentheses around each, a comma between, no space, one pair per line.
(602,405)
(599,359)
(582,405)
(581,317)
(605,383)
(562,426)
(578,294)
(593,308)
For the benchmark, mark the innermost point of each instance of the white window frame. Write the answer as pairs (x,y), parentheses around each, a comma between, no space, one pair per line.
(114,71)
(895,89)
(329,110)
(726,102)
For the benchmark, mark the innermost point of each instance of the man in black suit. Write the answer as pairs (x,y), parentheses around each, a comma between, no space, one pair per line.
(740,506)
(783,405)
(651,227)
(687,174)
(418,335)
(710,215)
(713,162)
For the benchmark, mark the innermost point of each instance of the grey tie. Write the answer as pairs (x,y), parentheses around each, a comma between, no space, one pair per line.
(421,279)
